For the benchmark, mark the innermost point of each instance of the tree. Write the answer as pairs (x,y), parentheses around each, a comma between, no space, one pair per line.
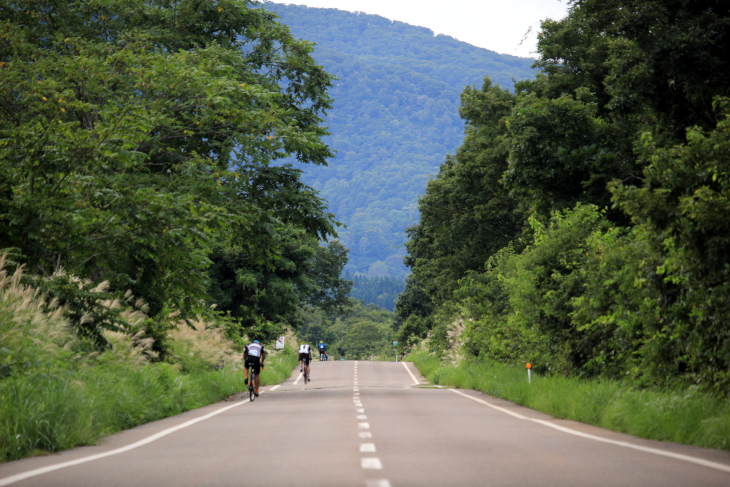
(326,271)
(466,212)
(263,296)
(684,211)
(136,133)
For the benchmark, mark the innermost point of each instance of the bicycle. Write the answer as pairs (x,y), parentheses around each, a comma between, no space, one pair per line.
(251,388)
(304,371)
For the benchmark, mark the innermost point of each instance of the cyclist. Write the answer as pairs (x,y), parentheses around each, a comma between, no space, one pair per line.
(305,357)
(253,358)
(325,356)
(322,347)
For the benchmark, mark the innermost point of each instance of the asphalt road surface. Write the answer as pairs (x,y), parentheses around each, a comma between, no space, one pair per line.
(370,424)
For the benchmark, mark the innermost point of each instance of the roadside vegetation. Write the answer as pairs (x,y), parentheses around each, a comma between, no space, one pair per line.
(582,226)
(681,415)
(146,231)
(58,391)
(356,332)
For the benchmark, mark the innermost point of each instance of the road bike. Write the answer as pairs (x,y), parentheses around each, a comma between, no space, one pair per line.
(304,371)
(251,387)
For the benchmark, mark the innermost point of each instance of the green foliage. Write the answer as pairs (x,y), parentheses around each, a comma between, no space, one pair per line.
(132,139)
(58,391)
(521,308)
(363,332)
(262,297)
(638,290)
(466,214)
(380,290)
(393,120)
(413,310)
(683,210)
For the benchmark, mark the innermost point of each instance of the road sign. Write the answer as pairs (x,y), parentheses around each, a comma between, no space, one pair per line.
(280,342)
(395,343)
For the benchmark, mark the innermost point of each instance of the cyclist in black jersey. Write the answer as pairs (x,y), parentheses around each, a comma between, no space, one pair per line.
(253,358)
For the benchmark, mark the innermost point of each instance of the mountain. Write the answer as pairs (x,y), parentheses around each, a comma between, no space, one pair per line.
(395,118)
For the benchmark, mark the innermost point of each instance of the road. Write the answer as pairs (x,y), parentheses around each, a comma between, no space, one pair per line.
(370,424)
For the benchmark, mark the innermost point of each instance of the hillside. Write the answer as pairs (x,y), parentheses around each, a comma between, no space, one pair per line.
(395,118)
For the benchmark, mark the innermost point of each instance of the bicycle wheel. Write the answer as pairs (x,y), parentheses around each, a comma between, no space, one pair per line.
(306,375)
(251,390)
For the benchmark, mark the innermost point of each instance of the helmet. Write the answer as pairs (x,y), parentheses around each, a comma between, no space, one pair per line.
(321,341)
(255,341)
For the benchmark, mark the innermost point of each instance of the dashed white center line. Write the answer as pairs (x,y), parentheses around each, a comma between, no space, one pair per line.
(371,463)
(377,483)
(367,463)
(367,448)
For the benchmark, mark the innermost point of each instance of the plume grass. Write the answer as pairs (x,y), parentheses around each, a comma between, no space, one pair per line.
(57,391)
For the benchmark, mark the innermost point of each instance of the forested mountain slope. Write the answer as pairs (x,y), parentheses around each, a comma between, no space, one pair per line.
(394,119)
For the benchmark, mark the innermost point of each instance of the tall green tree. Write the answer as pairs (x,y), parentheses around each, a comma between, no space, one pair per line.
(466,213)
(136,133)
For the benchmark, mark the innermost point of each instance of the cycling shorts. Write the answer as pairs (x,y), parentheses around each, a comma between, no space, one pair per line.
(304,357)
(255,364)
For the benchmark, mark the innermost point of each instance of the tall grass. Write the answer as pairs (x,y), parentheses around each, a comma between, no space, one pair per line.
(58,393)
(683,416)
(50,412)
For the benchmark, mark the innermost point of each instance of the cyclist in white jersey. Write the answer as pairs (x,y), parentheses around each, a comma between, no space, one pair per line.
(253,358)
(305,357)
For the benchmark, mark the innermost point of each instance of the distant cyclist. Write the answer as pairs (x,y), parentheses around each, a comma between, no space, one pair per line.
(305,357)
(253,358)
(325,356)
(322,350)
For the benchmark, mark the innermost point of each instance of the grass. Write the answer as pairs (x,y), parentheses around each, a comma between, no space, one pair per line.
(57,393)
(44,412)
(684,416)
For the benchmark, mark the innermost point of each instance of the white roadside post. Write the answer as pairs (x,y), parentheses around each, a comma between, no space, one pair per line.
(529,373)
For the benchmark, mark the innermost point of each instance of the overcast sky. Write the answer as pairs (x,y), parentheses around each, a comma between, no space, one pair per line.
(498,25)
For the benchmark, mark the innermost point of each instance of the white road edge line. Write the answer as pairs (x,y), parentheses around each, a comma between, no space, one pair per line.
(39,471)
(415,381)
(676,456)
(299,378)
(377,483)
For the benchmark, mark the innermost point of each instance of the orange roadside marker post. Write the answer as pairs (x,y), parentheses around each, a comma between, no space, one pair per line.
(529,373)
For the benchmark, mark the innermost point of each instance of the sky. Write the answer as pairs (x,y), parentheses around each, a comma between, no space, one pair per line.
(497,25)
